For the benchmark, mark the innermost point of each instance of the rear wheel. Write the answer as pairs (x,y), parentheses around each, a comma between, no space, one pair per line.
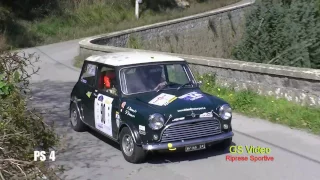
(75,120)
(131,152)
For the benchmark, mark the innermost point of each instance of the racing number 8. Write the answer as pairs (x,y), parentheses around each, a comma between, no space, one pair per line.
(103,112)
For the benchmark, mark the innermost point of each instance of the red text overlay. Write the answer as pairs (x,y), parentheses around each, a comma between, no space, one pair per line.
(252,158)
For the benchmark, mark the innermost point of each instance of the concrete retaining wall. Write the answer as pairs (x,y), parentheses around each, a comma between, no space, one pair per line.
(212,33)
(295,84)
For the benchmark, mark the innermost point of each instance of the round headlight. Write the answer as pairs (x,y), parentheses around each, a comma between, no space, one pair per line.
(156,121)
(225,112)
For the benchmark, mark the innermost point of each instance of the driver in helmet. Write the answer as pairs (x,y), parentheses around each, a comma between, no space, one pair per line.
(109,82)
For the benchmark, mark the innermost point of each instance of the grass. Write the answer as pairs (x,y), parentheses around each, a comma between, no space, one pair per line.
(86,18)
(270,108)
(78,61)
(134,42)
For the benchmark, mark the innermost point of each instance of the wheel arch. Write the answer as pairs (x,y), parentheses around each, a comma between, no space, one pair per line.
(134,133)
(75,100)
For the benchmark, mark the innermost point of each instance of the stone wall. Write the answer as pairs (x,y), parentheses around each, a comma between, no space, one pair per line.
(295,84)
(208,34)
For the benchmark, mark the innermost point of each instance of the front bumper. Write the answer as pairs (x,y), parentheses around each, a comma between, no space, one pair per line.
(204,140)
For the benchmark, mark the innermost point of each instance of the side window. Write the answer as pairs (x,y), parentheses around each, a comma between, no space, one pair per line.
(107,80)
(89,74)
(177,74)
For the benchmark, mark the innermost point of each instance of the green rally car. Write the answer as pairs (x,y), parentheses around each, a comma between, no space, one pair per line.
(148,102)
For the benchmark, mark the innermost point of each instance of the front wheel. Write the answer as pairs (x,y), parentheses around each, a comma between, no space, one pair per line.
(75,120)
(131,152)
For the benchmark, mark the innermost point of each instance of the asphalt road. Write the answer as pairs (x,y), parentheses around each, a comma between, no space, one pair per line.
(87,155)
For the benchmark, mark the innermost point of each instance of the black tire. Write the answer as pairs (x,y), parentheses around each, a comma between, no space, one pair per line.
(75,120)
(225,144)
(137,155)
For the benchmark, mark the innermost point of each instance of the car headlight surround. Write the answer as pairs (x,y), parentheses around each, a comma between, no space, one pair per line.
(225,112)
(156,121)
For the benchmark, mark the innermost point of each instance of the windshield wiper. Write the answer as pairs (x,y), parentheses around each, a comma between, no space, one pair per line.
(185,84)
(165,85)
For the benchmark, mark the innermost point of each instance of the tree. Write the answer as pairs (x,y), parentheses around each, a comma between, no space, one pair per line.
(282,33)
(29,9)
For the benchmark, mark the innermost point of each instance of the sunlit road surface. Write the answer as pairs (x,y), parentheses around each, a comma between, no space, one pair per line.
(88,155)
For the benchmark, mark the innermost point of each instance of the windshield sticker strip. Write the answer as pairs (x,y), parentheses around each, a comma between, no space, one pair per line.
(191,96)
(163,99)
(191,109)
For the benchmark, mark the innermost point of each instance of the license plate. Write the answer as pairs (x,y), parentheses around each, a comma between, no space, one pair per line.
(195,147)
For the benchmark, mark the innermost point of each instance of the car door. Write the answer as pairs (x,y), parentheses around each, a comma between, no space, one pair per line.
(88,91)
(106,106)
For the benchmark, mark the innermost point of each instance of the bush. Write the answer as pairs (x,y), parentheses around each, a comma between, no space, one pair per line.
(282,33)
(21,130)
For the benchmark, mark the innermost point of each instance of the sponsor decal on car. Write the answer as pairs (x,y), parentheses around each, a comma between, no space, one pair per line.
(132,110)
(191,109)
(123,104)
(178,119)
(100,98)
(91,69)
(100,125)
(84,81)
(127,112)
(142,130)
(102,113)
(206,115)
(88,94)
(118,119)
(191,96)
(163,99)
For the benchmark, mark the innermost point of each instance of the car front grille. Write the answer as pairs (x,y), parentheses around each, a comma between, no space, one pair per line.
(192,130)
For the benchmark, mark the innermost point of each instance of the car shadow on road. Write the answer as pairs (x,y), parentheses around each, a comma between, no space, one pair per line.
(104,139)
(52,100)
(180,156)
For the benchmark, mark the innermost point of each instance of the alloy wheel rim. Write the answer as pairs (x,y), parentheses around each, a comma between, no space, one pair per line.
(74,119)
(127,145)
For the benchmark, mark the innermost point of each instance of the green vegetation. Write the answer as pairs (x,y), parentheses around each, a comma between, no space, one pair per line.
(134,42)
(282,33)
(22,129)
(36,22)
(78,61)
(266,107)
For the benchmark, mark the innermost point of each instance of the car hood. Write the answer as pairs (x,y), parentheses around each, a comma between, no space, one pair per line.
(181,107)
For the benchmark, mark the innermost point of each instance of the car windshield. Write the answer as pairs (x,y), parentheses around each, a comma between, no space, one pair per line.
(147,78)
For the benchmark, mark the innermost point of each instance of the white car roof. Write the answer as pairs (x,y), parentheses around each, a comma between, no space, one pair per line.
(129,58)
